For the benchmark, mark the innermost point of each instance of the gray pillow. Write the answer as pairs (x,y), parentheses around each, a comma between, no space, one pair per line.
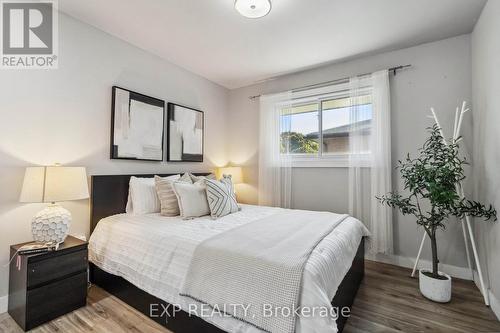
(195,179)
(186,177)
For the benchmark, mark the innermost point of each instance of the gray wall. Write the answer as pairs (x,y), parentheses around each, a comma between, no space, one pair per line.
(440,77)
(63,115)
(486,98)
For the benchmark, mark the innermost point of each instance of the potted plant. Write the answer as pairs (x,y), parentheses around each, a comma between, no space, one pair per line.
(431,181)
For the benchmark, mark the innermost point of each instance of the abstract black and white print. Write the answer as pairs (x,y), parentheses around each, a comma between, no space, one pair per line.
(137,127)
(185,138)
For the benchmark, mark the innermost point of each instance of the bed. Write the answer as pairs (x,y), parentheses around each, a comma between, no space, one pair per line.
(144,259)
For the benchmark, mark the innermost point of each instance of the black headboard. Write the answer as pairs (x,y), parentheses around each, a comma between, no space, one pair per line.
(109,195)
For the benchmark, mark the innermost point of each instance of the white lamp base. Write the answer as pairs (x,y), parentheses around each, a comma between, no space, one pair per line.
(51,224)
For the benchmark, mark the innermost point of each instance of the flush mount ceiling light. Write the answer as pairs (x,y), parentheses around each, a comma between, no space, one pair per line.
(253,8)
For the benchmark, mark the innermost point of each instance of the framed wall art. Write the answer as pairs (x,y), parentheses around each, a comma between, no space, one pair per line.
(137,126)
(185,134)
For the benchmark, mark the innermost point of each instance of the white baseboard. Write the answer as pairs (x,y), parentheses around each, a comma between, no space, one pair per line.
(454,271)
(494,304)
(494,301)
(3,303)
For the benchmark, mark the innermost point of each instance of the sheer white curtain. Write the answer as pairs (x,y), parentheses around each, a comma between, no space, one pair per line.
(275,169)
(370,158)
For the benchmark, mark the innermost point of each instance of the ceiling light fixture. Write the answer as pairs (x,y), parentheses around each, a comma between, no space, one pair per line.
(253,8)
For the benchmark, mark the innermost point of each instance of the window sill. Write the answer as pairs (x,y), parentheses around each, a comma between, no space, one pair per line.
(320,163)
(334,161)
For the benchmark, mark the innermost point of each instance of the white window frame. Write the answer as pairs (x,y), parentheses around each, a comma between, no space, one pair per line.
(319,95)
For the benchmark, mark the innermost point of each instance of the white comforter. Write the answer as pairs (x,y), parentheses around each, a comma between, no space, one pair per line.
(154,253)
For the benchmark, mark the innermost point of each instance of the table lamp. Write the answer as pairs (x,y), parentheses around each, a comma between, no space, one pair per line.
(53,184)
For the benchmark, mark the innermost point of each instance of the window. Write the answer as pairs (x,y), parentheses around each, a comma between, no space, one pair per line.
(299,130)
(339,119)
(321,128)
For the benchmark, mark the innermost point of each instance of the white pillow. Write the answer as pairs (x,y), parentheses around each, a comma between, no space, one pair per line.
(143,198)
(192,199)
(129,209)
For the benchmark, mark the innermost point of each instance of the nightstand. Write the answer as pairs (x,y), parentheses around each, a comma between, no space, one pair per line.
(48,285)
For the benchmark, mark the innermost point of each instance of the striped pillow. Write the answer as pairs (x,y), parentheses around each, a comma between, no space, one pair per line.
(168,201)
(221,197)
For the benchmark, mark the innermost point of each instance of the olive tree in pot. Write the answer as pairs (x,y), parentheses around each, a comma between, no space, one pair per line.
(431,182)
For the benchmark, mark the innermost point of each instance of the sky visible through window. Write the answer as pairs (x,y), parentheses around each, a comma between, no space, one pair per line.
(307,122)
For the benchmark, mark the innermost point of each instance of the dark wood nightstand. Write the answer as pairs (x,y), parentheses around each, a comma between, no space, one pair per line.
(48,285)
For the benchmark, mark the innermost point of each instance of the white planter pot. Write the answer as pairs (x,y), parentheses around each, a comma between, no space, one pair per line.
(434,289)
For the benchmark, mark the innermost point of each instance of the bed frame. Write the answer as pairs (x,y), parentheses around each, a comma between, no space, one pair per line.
(109,197)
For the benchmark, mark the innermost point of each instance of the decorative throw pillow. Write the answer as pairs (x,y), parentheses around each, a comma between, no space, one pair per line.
(186,177)
(168,200)
(129,208)
(142,196)
(221,197)
(192,199)
(198,178)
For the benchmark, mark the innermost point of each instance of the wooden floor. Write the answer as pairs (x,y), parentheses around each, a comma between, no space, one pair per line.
(388,301)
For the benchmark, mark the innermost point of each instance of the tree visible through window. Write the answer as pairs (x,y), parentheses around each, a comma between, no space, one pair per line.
(297,126)
(325,126)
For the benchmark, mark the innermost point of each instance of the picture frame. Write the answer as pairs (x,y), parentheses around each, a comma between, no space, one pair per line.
(185,133)
(137,126)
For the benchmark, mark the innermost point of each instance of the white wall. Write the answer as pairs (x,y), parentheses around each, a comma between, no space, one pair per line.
(64,115)
(486,97)
(440,77)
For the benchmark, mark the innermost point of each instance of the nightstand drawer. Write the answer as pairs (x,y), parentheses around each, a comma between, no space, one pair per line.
(50,269)
(52,300)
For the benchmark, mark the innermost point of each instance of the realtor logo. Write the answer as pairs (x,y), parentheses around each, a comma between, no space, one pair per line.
(29,34)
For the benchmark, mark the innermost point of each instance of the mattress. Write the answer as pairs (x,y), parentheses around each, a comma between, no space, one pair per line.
(153,252)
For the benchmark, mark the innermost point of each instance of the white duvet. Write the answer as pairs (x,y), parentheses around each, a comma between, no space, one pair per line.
(154,252)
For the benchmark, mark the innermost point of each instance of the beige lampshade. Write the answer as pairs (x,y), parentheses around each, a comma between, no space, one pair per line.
(235,172)
(54,183)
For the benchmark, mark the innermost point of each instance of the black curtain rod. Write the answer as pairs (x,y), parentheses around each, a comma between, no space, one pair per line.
(392,69)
